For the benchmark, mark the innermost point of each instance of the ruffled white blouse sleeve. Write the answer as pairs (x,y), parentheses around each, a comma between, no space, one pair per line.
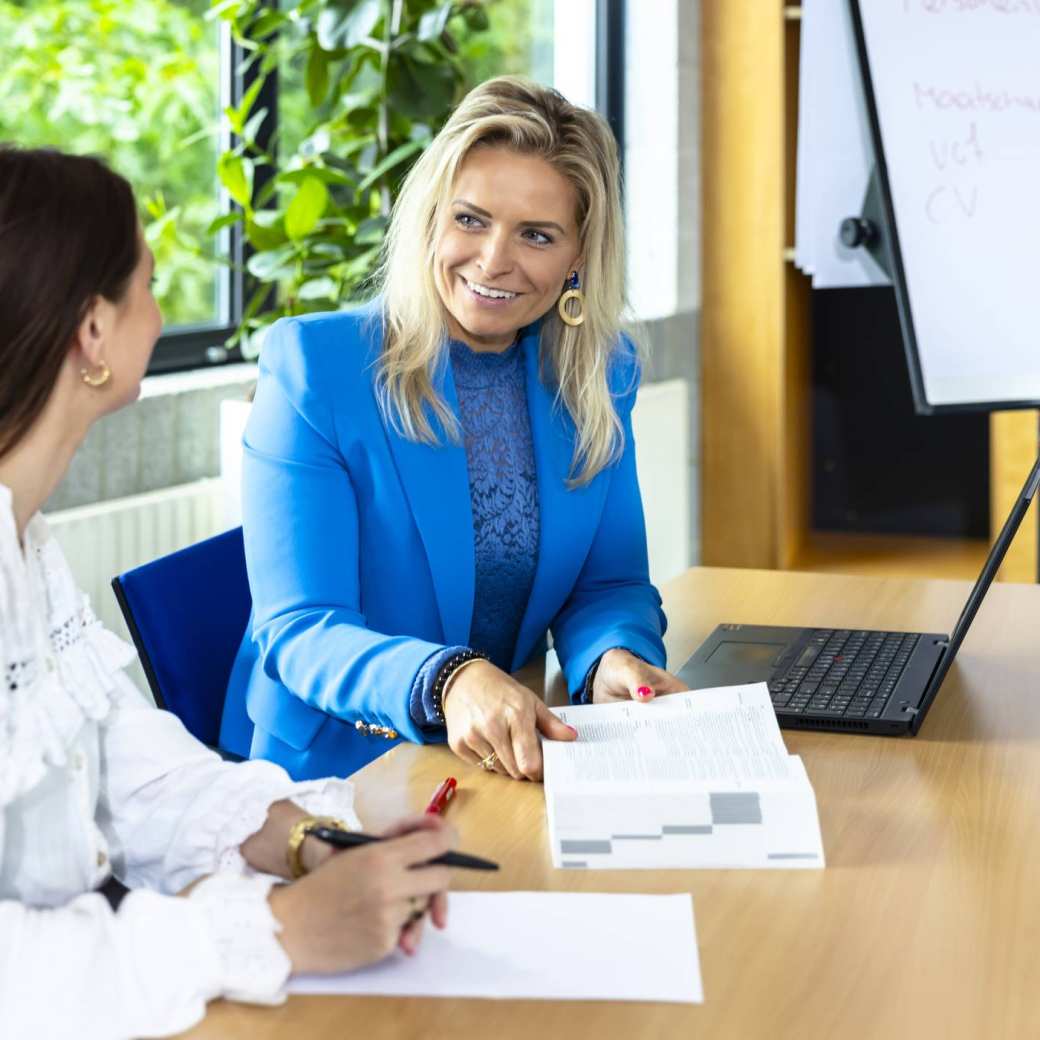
(171,810)
(95,781)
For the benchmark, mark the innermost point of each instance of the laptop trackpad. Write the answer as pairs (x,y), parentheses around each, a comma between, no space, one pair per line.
(732,662)
(760,657)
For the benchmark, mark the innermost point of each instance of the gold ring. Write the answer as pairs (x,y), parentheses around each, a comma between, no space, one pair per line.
(418,910)
(488,761)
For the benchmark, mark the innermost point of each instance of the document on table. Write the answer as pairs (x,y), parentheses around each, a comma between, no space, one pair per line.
(697,779)
(542,946)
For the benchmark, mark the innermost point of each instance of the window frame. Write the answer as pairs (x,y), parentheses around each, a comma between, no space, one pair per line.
(610,69)
(202,345)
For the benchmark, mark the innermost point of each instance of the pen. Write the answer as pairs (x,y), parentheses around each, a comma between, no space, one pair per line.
(351,839)
(441,797)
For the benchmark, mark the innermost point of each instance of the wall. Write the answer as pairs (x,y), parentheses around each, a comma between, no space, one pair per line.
(169,437)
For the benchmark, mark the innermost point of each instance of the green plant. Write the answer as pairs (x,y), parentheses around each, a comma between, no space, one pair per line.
(137,82)
(380,79)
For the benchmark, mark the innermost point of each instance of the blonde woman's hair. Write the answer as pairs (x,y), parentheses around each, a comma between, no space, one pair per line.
(514,113)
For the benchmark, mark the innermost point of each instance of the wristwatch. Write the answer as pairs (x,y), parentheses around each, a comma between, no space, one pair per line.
(299,830)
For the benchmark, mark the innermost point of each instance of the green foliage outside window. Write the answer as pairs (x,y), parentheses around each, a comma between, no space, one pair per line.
(137,82)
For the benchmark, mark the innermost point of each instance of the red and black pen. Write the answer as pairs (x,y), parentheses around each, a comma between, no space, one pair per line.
(442,796)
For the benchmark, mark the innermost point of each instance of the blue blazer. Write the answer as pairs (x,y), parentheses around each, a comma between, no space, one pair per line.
(359,546)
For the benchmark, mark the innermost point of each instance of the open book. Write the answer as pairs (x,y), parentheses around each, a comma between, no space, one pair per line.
(697,779)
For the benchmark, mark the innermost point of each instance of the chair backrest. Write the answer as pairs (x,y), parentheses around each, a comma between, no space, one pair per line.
(186,613)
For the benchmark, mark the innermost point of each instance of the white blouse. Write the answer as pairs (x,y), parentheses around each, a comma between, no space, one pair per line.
(94,780)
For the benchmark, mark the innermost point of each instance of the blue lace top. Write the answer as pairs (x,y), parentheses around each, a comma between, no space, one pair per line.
(503,489)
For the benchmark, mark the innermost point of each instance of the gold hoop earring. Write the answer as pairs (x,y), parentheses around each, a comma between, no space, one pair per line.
(96,379)
(573,293)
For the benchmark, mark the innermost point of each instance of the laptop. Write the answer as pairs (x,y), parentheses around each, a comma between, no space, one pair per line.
(842,679)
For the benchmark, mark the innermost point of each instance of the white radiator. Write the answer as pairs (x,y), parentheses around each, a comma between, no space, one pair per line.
(105,539)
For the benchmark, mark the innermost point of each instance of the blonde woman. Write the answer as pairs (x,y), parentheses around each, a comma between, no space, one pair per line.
(436,481)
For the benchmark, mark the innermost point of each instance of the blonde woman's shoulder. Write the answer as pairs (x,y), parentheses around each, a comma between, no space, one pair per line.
(314,348)
(359,326)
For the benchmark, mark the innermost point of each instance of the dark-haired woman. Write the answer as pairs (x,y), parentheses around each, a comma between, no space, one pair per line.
(96,783)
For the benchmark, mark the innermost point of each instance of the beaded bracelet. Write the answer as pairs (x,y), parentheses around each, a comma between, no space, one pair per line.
(444,675)
(585,697)
(590,678)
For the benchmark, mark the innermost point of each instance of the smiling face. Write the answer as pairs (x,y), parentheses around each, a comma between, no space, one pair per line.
(506,243)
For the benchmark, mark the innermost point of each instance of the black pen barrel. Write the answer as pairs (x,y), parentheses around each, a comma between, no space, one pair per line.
(352,839)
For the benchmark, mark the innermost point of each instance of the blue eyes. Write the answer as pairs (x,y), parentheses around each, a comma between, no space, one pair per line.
(470,223)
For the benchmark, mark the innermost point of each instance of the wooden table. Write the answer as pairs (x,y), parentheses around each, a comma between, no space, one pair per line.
(926,922)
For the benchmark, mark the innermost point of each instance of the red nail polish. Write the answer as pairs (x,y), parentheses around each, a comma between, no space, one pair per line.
(645,691)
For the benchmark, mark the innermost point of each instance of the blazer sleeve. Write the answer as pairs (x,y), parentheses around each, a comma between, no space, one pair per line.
(300,521)
(613,603)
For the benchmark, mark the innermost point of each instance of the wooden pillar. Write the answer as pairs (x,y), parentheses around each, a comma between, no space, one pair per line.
(754,373)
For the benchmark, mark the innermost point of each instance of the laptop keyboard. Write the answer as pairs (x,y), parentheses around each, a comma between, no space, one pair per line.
(851,675)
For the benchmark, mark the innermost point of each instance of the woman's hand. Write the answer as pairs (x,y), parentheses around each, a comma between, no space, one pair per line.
(622,676)
(486,710)
(264,850)
(361,903)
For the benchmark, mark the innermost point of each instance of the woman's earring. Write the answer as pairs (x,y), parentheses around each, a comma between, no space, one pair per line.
(96,378)
(573,293)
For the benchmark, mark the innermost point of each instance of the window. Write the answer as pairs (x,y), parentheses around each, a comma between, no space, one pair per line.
(137,82)
(143,82)
(519,41)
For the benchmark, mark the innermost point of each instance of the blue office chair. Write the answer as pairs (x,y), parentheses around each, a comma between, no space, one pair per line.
(186,613)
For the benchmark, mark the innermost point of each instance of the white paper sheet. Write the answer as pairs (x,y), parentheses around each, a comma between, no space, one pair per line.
(729,733)
(835,154)
(542,946)
(691,780)
(805,163)
(958,100)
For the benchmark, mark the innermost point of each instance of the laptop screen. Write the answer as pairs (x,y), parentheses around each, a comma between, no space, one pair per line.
(989,571)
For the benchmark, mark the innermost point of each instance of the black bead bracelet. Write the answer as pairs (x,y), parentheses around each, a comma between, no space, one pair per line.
(447,670)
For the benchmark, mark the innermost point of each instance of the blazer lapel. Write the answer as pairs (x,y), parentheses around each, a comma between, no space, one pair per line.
(436,482)
(567,518)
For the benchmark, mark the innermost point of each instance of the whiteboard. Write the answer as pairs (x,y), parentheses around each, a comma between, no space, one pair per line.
(953,89)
